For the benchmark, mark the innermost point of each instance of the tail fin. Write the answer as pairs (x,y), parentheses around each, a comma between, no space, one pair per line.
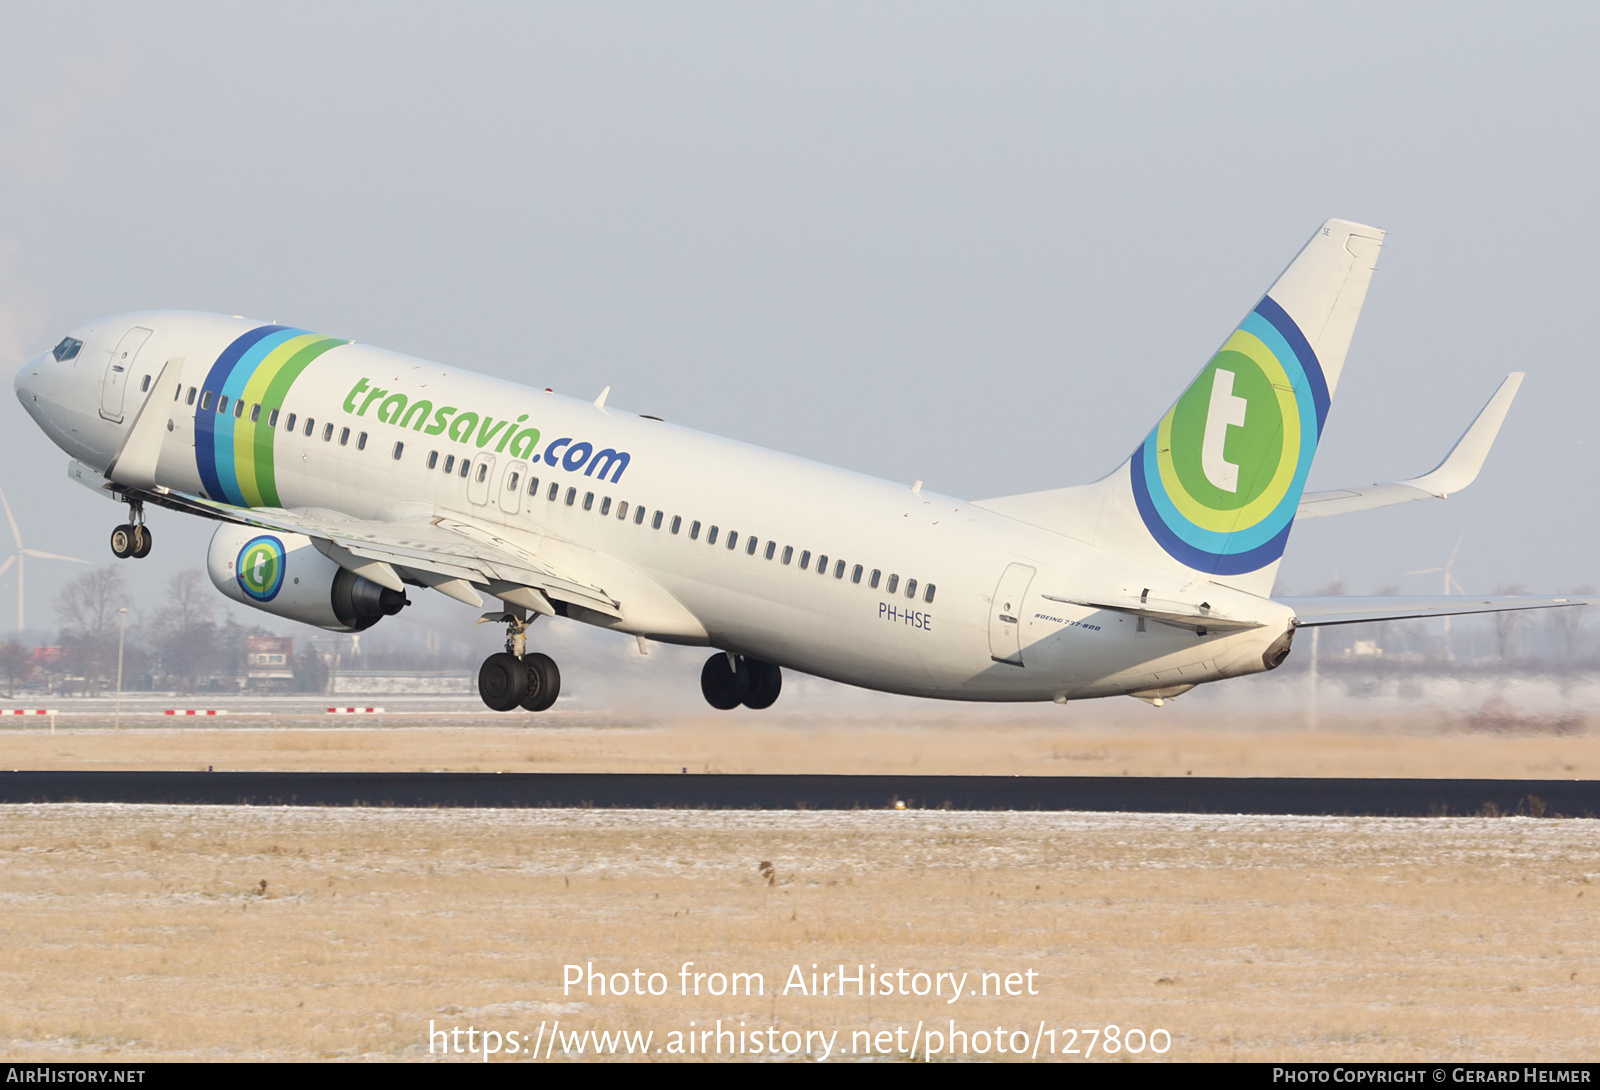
(1214,487)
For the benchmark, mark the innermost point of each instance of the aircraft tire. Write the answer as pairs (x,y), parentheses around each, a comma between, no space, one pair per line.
(766,682)
(122,542)
(544,682)
(141,537)
(502,681)
(724,687)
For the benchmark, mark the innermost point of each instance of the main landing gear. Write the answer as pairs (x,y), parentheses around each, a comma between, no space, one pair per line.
(132,538)
(513,678)
(728,680)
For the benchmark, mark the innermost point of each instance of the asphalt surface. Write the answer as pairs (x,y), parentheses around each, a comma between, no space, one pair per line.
(1124,794)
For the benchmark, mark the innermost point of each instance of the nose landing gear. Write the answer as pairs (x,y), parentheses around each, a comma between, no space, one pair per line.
(513,678)
(728,680)
(132,538)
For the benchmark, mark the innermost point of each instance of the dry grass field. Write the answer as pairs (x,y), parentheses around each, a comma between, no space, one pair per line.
(1150,744)
(139,933)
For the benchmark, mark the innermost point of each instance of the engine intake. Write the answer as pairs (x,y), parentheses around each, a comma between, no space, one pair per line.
(285,575)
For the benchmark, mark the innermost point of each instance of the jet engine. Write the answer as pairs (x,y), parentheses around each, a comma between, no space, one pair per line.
(285,575)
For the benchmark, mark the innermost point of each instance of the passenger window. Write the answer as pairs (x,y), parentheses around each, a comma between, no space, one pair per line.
(572,496)
(805,559)
(272,419)
(822,564)
(238,409)
(588,501)
(288,425)
(177,395)
(255,413)
(855,573)
(838,569)
(788,553)
(327,433)
(677,521)
(399,449)
(190,399)
(772,547)
(927,595)
(873,582)
(466,466)
(144,387)
(361,441)
(512,480)
(894,581)
(433,459)
(750,549)
(694,530)
(555,490)
(711,538)
(622,510)
(533,486)
(311,426)
(638,517)
(733,540)
(483,472)
(911,588)
(222,404)
(344,437)
(605,506)
(449,464)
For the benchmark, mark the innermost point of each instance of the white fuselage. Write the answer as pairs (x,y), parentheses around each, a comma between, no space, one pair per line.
(980,568)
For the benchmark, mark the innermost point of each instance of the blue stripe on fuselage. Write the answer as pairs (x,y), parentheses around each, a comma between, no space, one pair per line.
(209,424)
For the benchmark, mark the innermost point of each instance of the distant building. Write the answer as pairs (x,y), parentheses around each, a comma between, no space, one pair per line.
(269,662)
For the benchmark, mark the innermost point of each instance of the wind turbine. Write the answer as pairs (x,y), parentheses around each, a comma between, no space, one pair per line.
(20,558)
(1450,580)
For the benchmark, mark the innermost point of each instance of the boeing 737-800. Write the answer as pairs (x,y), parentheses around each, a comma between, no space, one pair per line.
(343,476)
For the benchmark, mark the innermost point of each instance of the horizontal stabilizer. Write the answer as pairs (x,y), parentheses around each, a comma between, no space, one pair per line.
(1340,609)
(1459,468)
(1174,613)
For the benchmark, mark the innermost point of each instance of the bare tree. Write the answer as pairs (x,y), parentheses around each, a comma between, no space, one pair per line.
(1507,625)
(16,663)
(185,630)
(87,608)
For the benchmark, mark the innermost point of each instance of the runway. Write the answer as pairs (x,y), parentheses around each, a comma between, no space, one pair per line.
(1110,794)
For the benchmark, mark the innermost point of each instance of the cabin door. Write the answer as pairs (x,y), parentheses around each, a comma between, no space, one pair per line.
(1005,614)
(115,383)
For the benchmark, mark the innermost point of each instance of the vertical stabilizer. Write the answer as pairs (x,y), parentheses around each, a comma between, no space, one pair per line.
(1214,487)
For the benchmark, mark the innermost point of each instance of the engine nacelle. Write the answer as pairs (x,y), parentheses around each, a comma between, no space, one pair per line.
(285,575)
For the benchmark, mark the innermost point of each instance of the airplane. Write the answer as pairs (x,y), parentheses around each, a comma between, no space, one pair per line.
(344,477)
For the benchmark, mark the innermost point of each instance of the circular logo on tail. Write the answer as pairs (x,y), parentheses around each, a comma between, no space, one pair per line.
(1219,479)
(260,567)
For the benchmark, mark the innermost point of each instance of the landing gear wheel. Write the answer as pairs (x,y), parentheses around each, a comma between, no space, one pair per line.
(141,535)
(725,686)
(766,682)
(122,542)
(544,682)
(502,681)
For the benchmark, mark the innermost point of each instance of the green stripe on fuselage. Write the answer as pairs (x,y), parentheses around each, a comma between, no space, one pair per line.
(253,443)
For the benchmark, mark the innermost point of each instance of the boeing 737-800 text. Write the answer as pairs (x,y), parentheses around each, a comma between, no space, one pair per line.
(343,476)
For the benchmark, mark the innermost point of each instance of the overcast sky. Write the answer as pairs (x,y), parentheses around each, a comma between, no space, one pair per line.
(982,245)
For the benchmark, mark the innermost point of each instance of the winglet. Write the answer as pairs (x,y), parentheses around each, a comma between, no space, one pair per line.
(1459,468)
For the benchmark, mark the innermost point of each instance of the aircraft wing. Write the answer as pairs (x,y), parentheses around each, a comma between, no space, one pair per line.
(1459,468)
(447,552)
(1340,609)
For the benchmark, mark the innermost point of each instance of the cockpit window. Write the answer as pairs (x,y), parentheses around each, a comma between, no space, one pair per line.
(66,350)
